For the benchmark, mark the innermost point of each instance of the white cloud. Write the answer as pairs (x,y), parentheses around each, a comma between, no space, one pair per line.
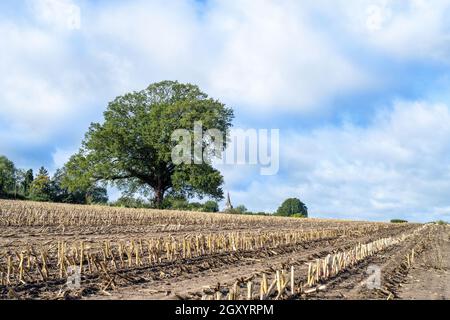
(376,17)
(255,55)
(396,167)
(61,14)
(271,57)
(148,41)
(410,29)
(30,98)
(48,85)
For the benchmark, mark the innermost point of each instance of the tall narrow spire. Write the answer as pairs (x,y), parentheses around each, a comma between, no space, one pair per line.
(228,205)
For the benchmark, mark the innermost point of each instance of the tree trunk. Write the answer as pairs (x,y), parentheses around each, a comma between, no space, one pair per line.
(159,197)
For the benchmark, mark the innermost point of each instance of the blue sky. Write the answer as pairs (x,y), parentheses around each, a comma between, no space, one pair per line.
(359,90)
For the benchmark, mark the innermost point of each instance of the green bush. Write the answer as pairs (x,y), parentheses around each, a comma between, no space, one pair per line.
(241,209)
(232,211)
(130,202)
(298,215)
(260,213)
(398,221)
(291,207)
(195,206)
(211,206)
(173,202)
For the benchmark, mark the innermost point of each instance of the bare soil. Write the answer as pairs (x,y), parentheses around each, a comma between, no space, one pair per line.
(192,285)
(429,279)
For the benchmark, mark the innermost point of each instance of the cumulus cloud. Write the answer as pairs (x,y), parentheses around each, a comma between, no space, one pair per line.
(61,14)
(271,56)
(255,55)
(398,166)
(29,98)
(412,29)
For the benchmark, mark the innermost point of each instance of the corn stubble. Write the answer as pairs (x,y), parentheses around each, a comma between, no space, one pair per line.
(212,234)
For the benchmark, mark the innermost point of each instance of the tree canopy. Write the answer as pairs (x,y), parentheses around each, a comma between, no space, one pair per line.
(41,186)
(292,207)
(87,194)
(22,184)
(132,148)
(211,206)
(7,175)
(27,178)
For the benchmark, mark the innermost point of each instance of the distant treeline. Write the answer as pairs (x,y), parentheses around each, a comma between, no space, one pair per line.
(25,185)
(291,207)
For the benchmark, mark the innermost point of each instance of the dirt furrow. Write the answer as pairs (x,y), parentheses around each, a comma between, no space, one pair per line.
(394,271)
(191,285)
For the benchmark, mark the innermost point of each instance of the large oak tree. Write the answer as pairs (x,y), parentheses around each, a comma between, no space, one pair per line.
(132,148)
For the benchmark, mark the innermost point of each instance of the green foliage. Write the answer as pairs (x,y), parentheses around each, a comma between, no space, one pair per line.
(211,206)
(195,206)
(241,209)
(441,222)
(61,194)
(96,195)
(398,221)
(7,176)
(298,215)
(260,213)
(14,183)
(171,202)
(63,191)
(291,207)
(40,189)
(132,148)
(131,202)
(21,184)
(232,211)
(26,181)
(175,202)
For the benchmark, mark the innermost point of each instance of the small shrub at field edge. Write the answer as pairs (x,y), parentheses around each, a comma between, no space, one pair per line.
(298,215)
(441,222)
(242,210)
(211,206)
(398,221)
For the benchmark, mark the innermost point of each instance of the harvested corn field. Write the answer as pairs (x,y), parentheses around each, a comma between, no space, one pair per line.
(54,251)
